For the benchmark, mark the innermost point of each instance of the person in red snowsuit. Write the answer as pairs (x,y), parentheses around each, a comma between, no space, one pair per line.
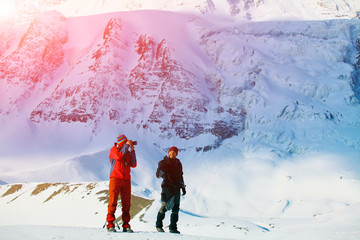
(122,158)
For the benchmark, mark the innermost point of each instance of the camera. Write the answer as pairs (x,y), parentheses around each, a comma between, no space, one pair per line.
(134,143)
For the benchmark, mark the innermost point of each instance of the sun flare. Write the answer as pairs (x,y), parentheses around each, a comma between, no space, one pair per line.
(7,8)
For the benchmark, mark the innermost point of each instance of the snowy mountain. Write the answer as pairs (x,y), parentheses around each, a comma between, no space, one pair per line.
(261,97)
(194,80)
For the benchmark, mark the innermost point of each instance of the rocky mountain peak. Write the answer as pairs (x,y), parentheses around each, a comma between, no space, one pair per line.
(215,83)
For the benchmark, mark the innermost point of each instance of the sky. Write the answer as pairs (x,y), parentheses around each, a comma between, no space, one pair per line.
(7,8)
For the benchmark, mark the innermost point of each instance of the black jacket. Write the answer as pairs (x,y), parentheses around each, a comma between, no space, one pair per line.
(170,170)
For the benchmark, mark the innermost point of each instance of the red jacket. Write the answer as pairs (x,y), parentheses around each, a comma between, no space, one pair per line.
(121,160)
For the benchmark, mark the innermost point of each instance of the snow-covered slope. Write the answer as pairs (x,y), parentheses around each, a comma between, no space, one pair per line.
(77,211)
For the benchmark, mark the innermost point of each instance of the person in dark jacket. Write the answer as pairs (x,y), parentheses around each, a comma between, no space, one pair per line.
(122,158)
(170,170)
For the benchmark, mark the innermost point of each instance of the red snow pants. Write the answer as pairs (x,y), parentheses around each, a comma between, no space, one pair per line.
(123,187)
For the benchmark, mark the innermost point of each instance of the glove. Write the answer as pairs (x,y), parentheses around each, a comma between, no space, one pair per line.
(160,174)
(183,191)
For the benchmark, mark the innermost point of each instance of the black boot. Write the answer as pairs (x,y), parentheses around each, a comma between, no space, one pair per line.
(174,231)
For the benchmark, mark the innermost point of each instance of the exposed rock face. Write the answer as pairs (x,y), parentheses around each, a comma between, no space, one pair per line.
(157,94)
(29,69)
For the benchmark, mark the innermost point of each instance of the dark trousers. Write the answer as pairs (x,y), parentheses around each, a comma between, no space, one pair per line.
(166,196)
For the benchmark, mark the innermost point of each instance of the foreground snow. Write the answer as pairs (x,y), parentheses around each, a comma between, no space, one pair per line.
(50,232)
(77,211)
(340,225)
